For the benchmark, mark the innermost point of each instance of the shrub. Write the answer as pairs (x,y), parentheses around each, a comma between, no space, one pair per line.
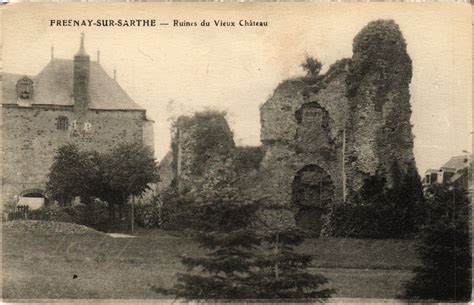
(210,134)
(311,66)
(444,249)
(94,215)
(381,212)
(247,158)
(50,213)
(180,212)
(148,215)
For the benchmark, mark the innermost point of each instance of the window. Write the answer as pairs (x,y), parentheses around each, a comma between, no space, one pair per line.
(428,179)
(62,123)
(24,88)
(312,114)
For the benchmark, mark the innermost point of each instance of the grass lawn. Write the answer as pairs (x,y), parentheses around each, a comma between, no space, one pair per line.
(99,266)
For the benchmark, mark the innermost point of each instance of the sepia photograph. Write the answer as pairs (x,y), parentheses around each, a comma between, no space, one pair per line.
(236,152)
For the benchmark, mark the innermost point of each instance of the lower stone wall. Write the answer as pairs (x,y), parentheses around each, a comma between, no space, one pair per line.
(280,166)
(30,137)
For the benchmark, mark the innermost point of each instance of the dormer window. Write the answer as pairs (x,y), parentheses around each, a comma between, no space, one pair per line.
(24,88)
(62,123)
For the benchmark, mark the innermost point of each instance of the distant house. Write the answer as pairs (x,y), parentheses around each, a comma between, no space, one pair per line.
(455,171)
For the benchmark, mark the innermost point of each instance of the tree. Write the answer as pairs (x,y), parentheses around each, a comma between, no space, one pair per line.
(249,257)
(128,171)
(112,177)
(74,173)
(311,66)
(281,271)
(382,211)
(444,248)
(225,270)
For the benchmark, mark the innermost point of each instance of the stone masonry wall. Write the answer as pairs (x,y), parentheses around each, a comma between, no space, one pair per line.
(379,130)
(30,138)
(366,98)
(291,143)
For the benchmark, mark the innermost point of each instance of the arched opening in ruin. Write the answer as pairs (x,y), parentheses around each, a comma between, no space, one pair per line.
(33,198)
(312,193)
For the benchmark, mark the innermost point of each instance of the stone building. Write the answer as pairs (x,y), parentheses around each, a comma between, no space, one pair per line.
(69,101)
(324,135)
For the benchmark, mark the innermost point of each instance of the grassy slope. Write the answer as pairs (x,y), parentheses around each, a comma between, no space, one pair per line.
(43,266)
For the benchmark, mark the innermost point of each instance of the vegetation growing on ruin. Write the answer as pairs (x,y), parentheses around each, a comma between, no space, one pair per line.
(382,211)
(210,133)
(379,49)
(311,66)
(247,158)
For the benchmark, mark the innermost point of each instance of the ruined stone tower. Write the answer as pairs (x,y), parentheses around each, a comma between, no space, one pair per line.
(380,139)
(324,135)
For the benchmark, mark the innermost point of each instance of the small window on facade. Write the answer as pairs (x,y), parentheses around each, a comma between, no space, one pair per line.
(24,88)
(63,123)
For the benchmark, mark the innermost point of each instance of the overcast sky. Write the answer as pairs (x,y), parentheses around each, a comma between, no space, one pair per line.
(170,70)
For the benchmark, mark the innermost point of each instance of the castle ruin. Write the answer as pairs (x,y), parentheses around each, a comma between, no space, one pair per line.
(324,135)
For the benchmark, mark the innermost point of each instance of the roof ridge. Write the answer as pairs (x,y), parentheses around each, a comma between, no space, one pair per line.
(54,86)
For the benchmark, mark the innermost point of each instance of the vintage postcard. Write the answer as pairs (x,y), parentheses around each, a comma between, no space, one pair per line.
(236,152)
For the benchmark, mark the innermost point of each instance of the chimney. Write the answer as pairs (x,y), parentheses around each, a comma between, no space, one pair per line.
(81,78)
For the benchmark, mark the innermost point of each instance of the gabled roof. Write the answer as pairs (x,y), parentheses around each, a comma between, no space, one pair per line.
(53,86)
(456,163)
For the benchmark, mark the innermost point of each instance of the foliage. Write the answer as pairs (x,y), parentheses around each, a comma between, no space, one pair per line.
(148,214)
(238,264)
(379,48)
(93,215)
(186,213)
(337,68)
(382,212)
(444,249)
(209,134)
(73,173)
(128,171)
(281,271)
(224,272)
(247,159)
(177,214)
(50,213)
(10,206)
(112,177)
(312,66)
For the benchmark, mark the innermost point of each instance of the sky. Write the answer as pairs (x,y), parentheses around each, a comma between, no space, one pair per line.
(179,70)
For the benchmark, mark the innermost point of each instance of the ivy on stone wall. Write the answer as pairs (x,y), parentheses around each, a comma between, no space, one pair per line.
(247,158)
(379,50)
(211,136)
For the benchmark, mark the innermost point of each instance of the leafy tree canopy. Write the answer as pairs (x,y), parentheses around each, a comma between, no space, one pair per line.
(444,248)
(112,177)
(311,66)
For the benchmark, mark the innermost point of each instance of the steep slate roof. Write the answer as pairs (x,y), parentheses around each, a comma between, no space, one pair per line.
(53,86)
(456,163)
